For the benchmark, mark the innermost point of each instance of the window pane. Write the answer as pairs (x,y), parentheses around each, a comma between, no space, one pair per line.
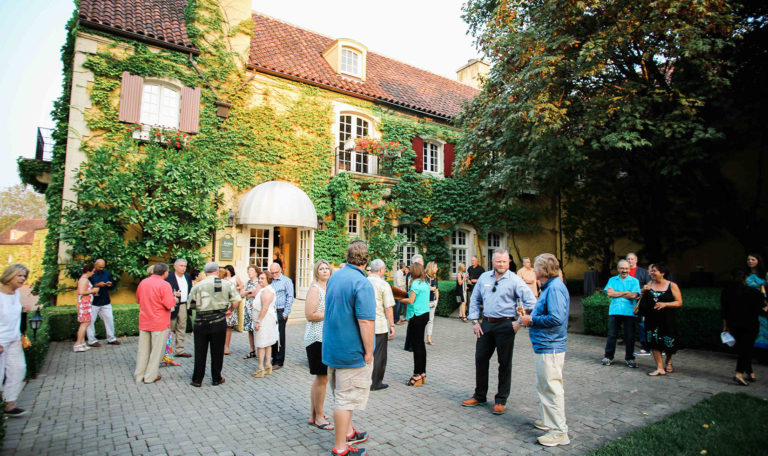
(350,61)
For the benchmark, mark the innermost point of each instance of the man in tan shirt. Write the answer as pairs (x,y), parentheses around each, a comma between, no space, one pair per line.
(385,324)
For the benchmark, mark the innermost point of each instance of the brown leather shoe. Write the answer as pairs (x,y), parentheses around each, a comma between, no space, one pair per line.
(114,342)
(498,409)
(276,367)
(219,382)
(182,355)
(95,344)
(472,402)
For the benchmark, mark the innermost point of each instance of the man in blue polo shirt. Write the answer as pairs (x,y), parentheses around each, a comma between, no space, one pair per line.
(623,290)
(348,334)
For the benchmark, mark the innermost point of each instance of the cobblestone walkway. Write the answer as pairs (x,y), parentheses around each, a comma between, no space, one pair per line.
(88,404)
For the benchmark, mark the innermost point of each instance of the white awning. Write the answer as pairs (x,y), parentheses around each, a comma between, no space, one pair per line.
(277,203)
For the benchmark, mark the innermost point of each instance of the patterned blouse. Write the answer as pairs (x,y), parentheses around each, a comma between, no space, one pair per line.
(314,331)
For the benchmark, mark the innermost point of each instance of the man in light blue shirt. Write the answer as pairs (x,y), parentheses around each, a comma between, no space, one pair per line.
(499,292)
(283,287)
(623,290)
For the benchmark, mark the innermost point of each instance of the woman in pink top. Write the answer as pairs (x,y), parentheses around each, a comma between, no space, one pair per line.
(85,294)
(529,276)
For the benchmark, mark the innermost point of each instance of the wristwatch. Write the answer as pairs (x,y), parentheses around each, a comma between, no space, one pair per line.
(475,322)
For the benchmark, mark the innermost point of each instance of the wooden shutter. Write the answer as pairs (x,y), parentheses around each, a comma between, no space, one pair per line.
(190,109)
(448,157)
(418,147)
(130,98)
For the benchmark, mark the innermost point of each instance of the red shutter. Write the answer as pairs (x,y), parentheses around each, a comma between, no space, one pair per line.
(418,147)
(130,98)
(448,157)
(190,109)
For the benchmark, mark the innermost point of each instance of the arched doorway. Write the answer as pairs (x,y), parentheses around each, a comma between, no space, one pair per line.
(278,220)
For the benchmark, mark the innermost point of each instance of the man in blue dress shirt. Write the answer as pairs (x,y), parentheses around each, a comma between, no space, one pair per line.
(101,306)
(623,290)
(499,293)
(283,287)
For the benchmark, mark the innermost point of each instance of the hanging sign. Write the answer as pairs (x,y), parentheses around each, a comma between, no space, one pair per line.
(227,247)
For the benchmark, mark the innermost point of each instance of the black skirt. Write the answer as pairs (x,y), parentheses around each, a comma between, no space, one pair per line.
(315,358)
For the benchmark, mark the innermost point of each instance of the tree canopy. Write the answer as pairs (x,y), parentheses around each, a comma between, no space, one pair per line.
(605,103)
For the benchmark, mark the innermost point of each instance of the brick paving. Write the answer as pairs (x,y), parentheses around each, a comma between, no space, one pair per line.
(88,404)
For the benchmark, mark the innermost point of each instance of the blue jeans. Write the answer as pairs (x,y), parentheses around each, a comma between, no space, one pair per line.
(643,338)
(396,311)
(614,321)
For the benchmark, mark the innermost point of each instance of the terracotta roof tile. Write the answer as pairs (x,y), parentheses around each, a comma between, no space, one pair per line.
(29,226)
(295,52)
(161,20)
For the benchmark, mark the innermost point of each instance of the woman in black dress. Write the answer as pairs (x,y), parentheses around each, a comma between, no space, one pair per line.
(741,305)
(659,300)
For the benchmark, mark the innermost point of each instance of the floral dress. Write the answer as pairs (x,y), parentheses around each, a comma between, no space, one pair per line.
(84,308)
(232,319)
(660,327)
(248,309)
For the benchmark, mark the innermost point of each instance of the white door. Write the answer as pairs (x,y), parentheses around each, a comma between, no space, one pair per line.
(304,257)
(260,248)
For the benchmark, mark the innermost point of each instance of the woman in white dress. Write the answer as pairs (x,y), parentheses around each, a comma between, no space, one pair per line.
(265,326)
(314,311)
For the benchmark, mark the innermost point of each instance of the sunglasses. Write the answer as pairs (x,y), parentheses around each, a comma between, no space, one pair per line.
(495,284)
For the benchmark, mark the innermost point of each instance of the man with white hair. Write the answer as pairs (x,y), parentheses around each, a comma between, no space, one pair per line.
(181,284)
(384,327)
(642,276)
(283,286)
(623,290)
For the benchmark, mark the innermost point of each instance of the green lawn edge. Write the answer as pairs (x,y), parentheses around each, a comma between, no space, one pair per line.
(724,424)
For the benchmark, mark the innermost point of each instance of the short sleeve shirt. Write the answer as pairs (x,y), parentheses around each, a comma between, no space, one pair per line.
(622,306)
(383,293)
(348,298)
(420,305)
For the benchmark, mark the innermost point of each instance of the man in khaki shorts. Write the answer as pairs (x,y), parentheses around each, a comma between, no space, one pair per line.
(348,334)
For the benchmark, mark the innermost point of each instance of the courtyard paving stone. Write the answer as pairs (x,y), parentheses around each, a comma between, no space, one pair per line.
(88,403)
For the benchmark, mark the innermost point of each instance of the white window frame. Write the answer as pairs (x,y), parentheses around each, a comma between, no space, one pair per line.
(353,218)
(459,250)
(160,104)
(430,146)
(357,127)
(490,248)
(407,249)
(351,61)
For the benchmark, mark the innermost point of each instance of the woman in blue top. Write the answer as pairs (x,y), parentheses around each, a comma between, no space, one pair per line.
(418,317)
(755,271)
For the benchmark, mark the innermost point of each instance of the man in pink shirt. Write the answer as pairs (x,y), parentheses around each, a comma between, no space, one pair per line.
(156,300)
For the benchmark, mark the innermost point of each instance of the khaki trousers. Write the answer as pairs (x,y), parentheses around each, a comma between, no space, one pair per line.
(179,329)
(549,385)
(151,351)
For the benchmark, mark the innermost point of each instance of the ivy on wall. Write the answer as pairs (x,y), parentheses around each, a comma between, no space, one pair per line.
(141,200)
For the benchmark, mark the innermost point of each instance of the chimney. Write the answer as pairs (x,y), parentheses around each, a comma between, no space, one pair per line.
(473,73)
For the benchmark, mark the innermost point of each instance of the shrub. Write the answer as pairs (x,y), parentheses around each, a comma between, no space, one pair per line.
(447,302)
(698,321)
(63,321)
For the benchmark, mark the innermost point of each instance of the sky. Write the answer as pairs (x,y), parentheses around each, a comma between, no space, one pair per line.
(429,34)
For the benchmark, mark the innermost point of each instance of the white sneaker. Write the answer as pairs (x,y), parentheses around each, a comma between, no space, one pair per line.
(538,424)
(554,439)
(86,347)
(79,348)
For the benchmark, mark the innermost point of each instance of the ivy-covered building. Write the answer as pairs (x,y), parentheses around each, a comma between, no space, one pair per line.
(201,129)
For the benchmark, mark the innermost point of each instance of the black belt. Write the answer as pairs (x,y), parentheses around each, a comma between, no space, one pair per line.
(496,320)
(280,310)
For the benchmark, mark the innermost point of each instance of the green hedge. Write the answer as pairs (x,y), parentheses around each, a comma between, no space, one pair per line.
(63,321)
(698,321)
(447,302)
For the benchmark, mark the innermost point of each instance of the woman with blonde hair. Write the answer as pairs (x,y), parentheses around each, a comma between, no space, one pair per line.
(85,294)
(434,296)
(461,290)
(12,364)
(314,311)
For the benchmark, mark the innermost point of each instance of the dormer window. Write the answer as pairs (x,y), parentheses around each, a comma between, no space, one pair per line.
(347,58)
(350,62)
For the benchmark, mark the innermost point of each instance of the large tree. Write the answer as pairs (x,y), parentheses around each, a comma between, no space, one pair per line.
(22,202)
(603,102)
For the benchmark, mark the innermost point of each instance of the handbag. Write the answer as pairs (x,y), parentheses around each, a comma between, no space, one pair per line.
(727,339)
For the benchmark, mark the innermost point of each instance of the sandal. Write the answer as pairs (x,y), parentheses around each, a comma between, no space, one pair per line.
(739,381)
(312,423)
(752,378)
(416,380)
(258,374)
(250,355)
(325,427)
(656,373)
(171,363)
(669,368)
